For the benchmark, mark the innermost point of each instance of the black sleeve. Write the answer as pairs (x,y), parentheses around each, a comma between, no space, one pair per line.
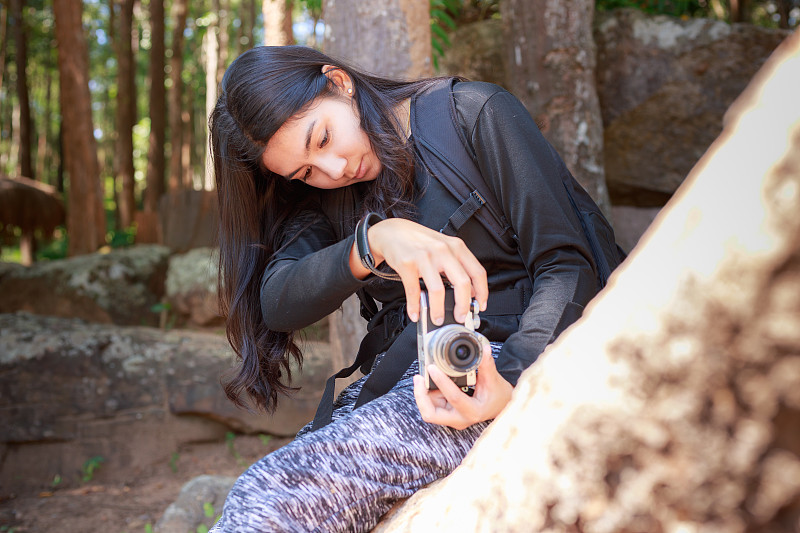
(525,174)
(309,277)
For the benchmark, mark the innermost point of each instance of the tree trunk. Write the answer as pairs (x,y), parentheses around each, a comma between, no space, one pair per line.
(25,160)
(388,37)
(275,14)
(246,40)
(126,115)
(3,44)
(179,12)
(210,57)
(368,34)
(187,140)
(551,60)
(223,39)
(43,150)
(156,161)
(86,220)
(673,404)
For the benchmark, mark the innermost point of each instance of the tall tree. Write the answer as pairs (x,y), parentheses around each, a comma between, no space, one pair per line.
(368,34)
(86,220)
(126,113)
(389,37)
(211,60)
(156,161)
(551,59)
(179,14)
(25,159)
(276,13)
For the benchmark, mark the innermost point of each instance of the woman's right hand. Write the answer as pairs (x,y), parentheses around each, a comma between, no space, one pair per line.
(416,252)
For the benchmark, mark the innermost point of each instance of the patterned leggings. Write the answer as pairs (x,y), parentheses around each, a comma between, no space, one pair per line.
(346,475)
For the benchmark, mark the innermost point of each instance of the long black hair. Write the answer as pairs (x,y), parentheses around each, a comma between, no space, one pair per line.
(262,89)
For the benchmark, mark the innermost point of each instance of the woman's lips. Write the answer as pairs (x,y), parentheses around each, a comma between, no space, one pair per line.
(360,171)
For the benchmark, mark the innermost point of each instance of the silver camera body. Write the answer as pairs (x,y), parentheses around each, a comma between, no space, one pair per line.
(454,348)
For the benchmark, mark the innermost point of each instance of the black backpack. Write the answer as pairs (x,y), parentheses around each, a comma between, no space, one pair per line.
(445,151)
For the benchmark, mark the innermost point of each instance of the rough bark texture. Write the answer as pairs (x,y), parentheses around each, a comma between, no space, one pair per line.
(551,58)
(21,59)
(387,37)
(158,110)
(126,115)
(86,219)
(674,404)
(179,13)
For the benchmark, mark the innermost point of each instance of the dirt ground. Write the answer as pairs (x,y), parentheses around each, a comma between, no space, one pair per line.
(125,502)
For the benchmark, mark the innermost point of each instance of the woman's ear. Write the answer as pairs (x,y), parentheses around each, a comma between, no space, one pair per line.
(339,78)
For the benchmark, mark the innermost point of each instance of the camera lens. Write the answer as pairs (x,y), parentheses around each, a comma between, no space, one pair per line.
(455,350)
(462,352)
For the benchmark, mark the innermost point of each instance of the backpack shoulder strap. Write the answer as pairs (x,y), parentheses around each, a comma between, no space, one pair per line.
(436,135)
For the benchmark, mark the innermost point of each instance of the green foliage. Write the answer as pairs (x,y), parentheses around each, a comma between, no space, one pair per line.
(443,13)
(173,461)
(90,467)
(230,443)
(264,439)
(208,510)
(56,481)
(148,528)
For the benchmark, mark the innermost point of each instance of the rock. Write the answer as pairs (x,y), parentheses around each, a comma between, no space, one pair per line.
(476,52)
(119,287)
(198,498)
(71,390)
(664,85)
(191,288)
(630,223)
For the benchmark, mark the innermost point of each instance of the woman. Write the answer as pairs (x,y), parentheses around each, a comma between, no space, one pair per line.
(304,147)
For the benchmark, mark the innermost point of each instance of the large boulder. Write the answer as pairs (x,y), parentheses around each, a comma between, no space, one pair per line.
(71,390)
(191,289)
(119,287)
(199,504)
(664,85)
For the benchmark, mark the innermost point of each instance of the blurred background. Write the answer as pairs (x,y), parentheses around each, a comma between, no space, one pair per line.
(111,344)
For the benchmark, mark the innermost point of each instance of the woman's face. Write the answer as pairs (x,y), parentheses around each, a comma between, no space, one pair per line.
(324,147)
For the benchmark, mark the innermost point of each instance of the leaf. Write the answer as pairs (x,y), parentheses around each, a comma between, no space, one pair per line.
(208,509)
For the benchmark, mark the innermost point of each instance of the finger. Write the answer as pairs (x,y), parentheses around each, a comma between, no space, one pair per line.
(474,270)
(460,402)
(435,288)
(425,404)
(412,290)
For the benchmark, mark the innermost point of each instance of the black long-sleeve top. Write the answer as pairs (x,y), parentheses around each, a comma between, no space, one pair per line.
(310,277)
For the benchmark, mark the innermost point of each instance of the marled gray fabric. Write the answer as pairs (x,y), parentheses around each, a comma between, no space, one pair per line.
(346,475)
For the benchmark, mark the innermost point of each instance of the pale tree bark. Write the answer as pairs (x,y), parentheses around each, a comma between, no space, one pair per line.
(86,223)
(223,38)
(179,13)
(674,403)
(126,114)
(210,58)
(275,14)
(386,37)
(551,69)
(25,160)
(156,162)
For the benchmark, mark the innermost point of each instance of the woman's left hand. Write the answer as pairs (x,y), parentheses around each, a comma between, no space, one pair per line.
(449,406)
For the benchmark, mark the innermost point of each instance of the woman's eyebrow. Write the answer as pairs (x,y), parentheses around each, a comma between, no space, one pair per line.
(308,148)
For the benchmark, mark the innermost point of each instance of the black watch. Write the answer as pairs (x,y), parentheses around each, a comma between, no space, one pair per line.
(362,245)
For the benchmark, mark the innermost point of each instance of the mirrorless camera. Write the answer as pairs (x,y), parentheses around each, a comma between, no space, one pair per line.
(454,348)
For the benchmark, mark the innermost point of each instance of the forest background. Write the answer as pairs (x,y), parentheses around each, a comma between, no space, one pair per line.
(149,96)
